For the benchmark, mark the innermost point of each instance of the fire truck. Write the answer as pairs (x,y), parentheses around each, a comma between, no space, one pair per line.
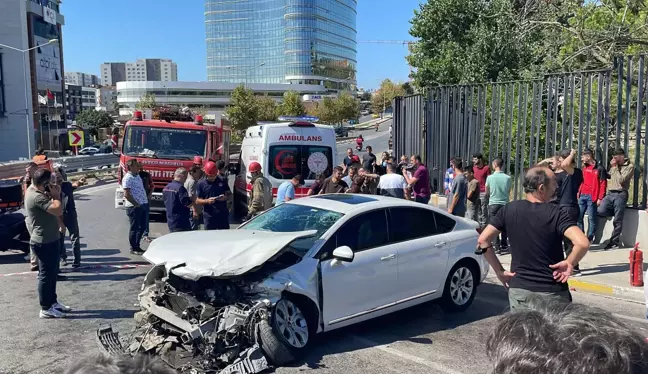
(167,142)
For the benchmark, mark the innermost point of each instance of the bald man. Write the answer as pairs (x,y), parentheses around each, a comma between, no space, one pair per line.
(536,230)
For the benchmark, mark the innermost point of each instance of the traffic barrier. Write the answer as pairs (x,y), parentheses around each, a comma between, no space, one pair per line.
(71,164)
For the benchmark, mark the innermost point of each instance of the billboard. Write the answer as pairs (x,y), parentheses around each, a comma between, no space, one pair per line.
(48,64)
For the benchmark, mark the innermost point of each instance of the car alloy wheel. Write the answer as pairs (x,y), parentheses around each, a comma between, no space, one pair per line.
(291,323)
(462,285)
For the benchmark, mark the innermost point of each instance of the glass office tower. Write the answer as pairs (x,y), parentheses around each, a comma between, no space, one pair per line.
(282,41)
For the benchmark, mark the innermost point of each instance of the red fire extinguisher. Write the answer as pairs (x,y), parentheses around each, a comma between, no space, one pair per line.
(636,267)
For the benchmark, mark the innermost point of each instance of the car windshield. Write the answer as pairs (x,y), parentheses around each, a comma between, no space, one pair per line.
(157,142)
(293,218)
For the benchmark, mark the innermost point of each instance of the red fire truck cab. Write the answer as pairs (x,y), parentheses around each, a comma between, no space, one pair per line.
(162,146)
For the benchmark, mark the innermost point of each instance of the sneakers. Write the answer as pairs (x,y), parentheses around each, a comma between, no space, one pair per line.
(137,251)
(76,265)
(64,262)
(34,268)
(611,246)
(61,308)
(51,313)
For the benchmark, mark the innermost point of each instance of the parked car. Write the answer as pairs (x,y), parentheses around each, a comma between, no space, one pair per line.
(341,131)
(307,266)
(364,112)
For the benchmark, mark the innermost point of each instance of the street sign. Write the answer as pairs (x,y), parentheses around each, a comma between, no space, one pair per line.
(76,138)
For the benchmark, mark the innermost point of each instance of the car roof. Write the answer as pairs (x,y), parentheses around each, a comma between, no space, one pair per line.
(346,203)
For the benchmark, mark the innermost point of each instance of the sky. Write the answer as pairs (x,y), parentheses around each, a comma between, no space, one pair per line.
(125,30)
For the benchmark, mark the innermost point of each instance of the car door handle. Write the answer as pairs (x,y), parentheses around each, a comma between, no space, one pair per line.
(440,244)
(387,258)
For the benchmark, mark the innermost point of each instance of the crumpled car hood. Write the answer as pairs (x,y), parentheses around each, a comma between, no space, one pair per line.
(217,254)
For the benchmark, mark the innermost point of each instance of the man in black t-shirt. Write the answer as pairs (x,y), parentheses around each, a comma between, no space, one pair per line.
(334,184)
(369,160)
(536,230)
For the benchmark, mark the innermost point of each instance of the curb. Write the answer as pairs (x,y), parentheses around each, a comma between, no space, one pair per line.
(635,294)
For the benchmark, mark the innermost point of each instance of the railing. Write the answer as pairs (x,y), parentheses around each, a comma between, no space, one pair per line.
(526,121)
(71,164)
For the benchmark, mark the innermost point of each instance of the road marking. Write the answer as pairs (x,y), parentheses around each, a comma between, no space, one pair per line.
(406,356)
(104,266)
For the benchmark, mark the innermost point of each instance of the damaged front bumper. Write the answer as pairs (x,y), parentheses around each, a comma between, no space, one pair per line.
(204,330)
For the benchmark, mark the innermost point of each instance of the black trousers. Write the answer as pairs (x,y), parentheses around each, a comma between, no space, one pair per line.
(492,212)
(613,204)
(48,256)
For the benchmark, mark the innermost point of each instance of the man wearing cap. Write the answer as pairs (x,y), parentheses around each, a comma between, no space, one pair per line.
(213,193)
(614,203)
(261,194)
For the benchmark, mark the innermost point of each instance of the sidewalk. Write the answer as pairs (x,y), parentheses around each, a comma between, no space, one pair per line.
(603,272)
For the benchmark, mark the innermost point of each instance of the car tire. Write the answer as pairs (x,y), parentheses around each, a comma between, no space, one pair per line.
(277,337)
(462,277)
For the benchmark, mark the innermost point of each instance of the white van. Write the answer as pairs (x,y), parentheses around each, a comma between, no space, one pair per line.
(284,150)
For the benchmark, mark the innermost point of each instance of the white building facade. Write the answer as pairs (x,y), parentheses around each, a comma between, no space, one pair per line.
(213,96)
(149,69)
(82,79)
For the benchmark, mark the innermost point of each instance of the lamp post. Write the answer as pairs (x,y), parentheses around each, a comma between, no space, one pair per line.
(247,70)
(29,126)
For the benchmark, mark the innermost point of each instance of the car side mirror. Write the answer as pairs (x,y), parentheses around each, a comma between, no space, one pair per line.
(343,253)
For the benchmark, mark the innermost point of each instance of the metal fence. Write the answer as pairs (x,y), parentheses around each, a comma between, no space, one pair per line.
(70,164)
(527,121)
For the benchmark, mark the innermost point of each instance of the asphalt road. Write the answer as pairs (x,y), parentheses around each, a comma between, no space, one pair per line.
(419,340)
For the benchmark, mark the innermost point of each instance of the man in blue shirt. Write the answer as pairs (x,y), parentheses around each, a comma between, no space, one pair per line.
(286,190)
(177,202)
(213,193)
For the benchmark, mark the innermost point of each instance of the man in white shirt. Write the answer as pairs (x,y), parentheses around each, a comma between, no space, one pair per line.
(135,196)
(392,184)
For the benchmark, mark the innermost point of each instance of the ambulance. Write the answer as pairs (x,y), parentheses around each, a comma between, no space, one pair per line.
(294,146)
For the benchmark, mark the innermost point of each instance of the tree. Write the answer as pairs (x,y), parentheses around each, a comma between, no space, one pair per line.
(91,120)
(291,105)
(146,102)
(243,111)
(366,96)
(407,87)
(382,98)
(347,107)
(327,111)
(268,108)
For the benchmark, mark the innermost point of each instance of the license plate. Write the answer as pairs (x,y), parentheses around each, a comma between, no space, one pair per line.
(156,197)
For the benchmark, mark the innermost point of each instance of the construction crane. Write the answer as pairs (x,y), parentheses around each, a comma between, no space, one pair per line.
(402,42)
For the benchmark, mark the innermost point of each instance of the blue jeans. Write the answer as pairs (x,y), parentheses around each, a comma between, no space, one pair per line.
(147,215)
(587,205)
(137,220)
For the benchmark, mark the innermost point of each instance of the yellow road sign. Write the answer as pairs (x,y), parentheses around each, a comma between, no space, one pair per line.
(76,138)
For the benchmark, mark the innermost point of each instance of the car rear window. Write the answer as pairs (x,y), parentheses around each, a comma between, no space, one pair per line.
(286,161)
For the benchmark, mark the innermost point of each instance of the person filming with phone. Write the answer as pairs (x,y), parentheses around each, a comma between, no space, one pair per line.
(213,193)
(44,209)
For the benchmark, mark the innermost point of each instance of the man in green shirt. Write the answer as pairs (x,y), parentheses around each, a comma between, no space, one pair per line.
(44,209)
(613,204)
(498,188)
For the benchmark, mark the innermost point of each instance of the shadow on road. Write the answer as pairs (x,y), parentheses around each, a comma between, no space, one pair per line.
(12,257)
(407,325)
(100,277)
(101,260)
(100,252)
(101,314)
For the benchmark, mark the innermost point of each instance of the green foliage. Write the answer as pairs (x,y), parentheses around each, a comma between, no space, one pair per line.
(268,108)
(366,96)
(146,102)
(92,120)
(382,99)
(336,111)
(243,111)
(292,105)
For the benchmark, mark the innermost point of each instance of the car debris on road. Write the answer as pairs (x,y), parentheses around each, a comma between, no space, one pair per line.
(219,322)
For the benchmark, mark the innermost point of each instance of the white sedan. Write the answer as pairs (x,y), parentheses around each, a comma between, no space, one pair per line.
(310,265)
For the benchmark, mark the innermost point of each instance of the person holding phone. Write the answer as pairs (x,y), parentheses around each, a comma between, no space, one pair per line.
(213,193)
(44,210)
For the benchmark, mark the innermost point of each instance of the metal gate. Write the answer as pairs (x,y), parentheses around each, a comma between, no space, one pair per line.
(527,121)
